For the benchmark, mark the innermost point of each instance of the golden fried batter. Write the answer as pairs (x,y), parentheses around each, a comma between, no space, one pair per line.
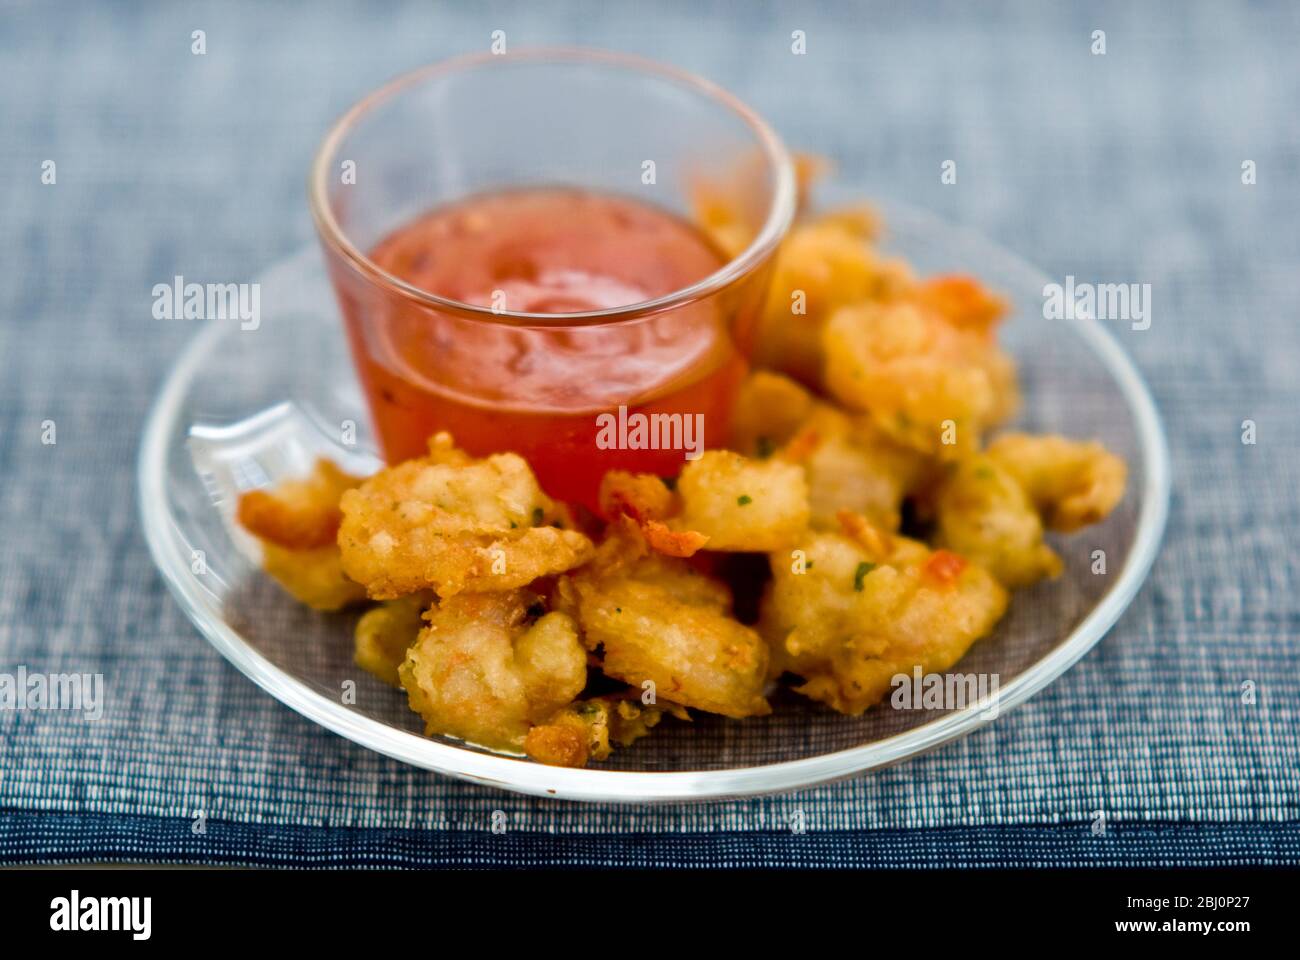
(588,729)
(649,502)
(852,465)
(298,514)
(928,384)
(962,301)
(983,514)
(660,620)
(862,606)
(490,665)
(722,501)
(742,504)
(296,523)
(822,266)
(770,409)
(385,633)
(312,577)
(849,462)
(450,523)
(1071,483)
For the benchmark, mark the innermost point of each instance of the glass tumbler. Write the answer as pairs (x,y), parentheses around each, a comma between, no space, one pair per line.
(567,391)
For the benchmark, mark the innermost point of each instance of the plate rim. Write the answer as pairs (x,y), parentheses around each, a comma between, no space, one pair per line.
(627,786)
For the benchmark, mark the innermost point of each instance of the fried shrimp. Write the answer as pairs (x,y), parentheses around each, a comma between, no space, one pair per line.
(450,523)
(384,634)
(862,606)
(297,523)
(722,501)
(589,729)
(649,502)
(822,266)
(928,384)
(1071,483)
(962,301)
(312,577)
(490,665)
(770,409)
(742,504)
(852,465)
(298,514)
(983,514)
(658,621)
(849,462)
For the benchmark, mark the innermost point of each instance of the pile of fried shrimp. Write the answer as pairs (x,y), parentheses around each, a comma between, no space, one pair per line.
(518,625)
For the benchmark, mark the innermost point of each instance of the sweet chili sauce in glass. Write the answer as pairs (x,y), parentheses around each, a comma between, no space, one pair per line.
(532,386)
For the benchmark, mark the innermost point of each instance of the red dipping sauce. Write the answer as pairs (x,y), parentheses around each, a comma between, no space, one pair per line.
(538,387)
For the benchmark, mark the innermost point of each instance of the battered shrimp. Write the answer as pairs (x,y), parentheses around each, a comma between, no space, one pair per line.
(384,634)
(926,383)
(849,463)
(962,301)
(312,577)
(770,409)
(661,625)
(589,729)
(298,514)
(1072,483)
(649,501)
(878,393)
(450,523)
(852,465)
(859,607)
(742,504)
(297,523)
(822,266)
(490,665)
(722,501)
(983,514)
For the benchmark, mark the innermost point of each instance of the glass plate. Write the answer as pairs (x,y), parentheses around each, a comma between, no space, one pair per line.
(244,408)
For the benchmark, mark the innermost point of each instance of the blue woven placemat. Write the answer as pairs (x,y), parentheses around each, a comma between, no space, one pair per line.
(1117,168)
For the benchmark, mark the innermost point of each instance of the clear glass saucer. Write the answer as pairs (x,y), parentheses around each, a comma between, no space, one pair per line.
(243,408)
